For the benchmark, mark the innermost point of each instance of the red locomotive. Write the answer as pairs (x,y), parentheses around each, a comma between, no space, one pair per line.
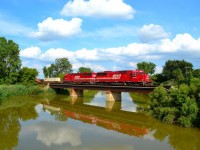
(126,77)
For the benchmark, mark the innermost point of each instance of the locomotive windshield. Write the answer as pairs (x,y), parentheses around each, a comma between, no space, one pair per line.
(88,74)
(134,74)
(101,74)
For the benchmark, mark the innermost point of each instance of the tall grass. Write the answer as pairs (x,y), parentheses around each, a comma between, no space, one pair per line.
(7,91)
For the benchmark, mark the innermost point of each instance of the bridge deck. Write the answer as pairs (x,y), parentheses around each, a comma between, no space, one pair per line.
(102,87)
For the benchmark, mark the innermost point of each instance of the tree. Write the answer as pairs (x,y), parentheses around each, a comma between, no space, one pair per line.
(84,69)
(61,66)
(49,71)
(171,67)
(196,73)
(45,71)
(10,62)
(28,75)
(176,106)
(158,78)
(178,75)
(146,67)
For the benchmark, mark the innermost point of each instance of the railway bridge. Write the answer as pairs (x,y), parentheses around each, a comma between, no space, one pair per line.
(113,92)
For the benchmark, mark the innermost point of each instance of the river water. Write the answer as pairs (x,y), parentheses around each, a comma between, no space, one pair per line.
(89,123)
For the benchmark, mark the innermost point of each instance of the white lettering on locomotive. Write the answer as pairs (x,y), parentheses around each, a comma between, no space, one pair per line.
(77,77)
(116,76)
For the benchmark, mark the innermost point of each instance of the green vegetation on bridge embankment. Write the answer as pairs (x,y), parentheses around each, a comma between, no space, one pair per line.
(7,91)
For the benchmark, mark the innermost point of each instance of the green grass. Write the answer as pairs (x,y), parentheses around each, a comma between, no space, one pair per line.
(7,91)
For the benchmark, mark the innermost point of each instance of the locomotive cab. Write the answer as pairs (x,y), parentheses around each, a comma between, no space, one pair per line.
(139,77)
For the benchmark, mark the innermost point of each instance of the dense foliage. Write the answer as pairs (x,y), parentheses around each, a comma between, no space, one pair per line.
(59,68)
(177,70)
(147,67)
(84,69)
(179,105)
(10,62)
(28,76)
(10,65)
(196,73)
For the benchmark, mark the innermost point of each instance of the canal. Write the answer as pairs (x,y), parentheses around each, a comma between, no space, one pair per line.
(64,123)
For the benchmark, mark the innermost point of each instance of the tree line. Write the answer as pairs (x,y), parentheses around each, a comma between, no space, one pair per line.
(180,104)
(61,67)
(174,71)
(12,71)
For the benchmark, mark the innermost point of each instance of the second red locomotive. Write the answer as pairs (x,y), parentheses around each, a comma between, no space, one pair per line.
(126,77)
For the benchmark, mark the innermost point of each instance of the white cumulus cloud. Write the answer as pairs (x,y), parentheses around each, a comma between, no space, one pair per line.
(182,42)
(152,32)
(52,54)
(50,29)
(182,46)
(98,8)
(30,52)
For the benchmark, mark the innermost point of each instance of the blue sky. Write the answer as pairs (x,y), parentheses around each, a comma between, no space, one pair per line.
(103,34)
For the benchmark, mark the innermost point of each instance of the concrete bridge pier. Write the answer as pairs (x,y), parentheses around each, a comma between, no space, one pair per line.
(76,92)
(76,100)
(113,105)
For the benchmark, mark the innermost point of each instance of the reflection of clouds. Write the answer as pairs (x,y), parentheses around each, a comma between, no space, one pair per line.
(127,104)
(39,108)
(51,133)
(108,147)
(149,136)
(97,100)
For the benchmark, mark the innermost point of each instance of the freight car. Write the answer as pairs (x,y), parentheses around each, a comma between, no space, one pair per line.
(51,80)
(126,77)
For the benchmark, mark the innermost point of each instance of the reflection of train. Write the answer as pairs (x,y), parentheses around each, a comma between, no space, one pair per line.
(108,124)
(127,77)
(130,123)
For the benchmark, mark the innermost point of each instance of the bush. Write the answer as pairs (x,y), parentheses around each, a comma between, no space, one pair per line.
(184,121)
(176,106)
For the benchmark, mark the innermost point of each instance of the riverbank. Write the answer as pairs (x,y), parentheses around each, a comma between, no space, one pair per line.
(7,91)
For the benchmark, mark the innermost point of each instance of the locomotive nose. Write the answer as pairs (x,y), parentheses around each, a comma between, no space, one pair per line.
(148,78)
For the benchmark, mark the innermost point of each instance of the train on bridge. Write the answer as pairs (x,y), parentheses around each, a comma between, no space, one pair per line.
(126,77)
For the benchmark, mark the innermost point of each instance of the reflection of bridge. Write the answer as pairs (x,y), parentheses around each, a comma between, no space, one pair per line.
(112,92)
(125,122)
(108,124)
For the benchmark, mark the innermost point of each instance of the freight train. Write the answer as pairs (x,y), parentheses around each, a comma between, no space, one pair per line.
(126,77)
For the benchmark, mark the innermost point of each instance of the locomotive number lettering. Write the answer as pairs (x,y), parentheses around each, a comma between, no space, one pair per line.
(77,77)
(116,76)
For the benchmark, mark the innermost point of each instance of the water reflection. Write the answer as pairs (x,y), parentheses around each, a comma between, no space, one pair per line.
(53,133)
(63,122)
(117,120)
(11,112)
(130,123)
